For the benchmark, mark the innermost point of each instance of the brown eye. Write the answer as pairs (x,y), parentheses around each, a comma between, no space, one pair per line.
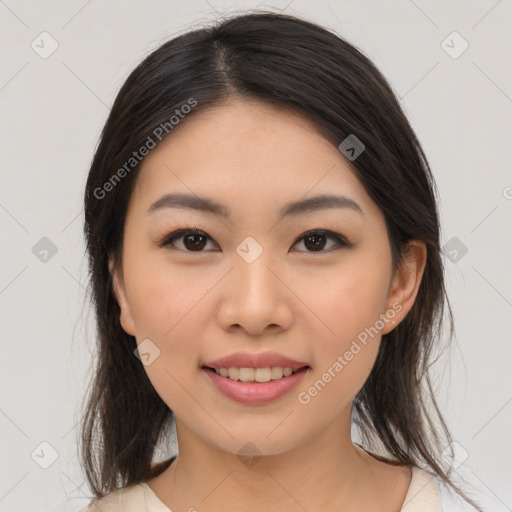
(315,241)
(193,240)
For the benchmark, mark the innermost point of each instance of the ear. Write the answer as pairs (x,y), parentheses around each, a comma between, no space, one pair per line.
(125,317)
(405,283)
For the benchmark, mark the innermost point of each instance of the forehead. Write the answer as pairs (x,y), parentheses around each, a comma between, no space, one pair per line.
(247,152)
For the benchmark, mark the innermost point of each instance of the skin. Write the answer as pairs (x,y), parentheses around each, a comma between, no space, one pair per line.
(310,306)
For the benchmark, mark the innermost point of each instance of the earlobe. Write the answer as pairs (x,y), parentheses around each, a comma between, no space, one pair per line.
(125,317)
(406,283)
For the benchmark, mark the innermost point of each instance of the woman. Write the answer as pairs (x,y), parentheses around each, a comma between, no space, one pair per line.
(263,241)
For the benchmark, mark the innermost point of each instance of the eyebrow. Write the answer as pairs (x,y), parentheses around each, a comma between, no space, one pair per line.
(294,208)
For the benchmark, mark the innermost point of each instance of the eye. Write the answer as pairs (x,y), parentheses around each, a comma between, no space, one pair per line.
(194,240)
(315,240)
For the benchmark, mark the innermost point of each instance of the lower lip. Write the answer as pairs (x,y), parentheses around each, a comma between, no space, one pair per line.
(255,393)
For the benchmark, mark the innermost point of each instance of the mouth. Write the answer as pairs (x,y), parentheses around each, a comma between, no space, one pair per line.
(256,375)
(254,386)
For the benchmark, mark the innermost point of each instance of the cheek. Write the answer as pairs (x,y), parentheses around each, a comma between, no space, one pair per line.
(353,297)
(164,298)
(168,308)
(350,305)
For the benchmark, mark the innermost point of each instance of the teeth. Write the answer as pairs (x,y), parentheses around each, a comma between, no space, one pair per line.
(246,374)
(263,374)
(256,374)
(276,372)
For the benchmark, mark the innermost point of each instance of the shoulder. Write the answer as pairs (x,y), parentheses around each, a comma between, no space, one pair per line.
(427,492)
(126,499)
(451,501)
(423,493)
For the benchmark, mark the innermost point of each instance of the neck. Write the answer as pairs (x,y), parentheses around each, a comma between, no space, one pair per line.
(328,472)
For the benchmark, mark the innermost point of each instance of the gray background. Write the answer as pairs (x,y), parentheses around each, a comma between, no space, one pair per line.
(52,111)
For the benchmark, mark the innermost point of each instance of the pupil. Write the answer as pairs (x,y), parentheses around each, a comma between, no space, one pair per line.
(316,245)
(195,244)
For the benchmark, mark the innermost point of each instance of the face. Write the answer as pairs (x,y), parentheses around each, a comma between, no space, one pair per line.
(315,286)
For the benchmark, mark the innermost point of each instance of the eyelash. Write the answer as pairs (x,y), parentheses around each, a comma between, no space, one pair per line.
(181,233)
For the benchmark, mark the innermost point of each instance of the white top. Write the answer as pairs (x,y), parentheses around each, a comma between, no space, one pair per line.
(426,494)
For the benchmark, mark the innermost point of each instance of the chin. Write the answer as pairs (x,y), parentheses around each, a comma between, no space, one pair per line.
(256,444)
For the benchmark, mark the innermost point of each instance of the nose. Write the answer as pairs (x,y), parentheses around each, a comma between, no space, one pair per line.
(255,297)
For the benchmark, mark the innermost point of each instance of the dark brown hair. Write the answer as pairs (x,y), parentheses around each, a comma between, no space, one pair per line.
(295,64)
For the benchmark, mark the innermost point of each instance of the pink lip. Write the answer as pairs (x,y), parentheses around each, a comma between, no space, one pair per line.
(262,360)
(255,393)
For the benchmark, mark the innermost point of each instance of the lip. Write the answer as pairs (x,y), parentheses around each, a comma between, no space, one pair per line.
(255,393)
(261,360)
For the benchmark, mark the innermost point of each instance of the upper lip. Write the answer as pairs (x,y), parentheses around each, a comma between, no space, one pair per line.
(262,360)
